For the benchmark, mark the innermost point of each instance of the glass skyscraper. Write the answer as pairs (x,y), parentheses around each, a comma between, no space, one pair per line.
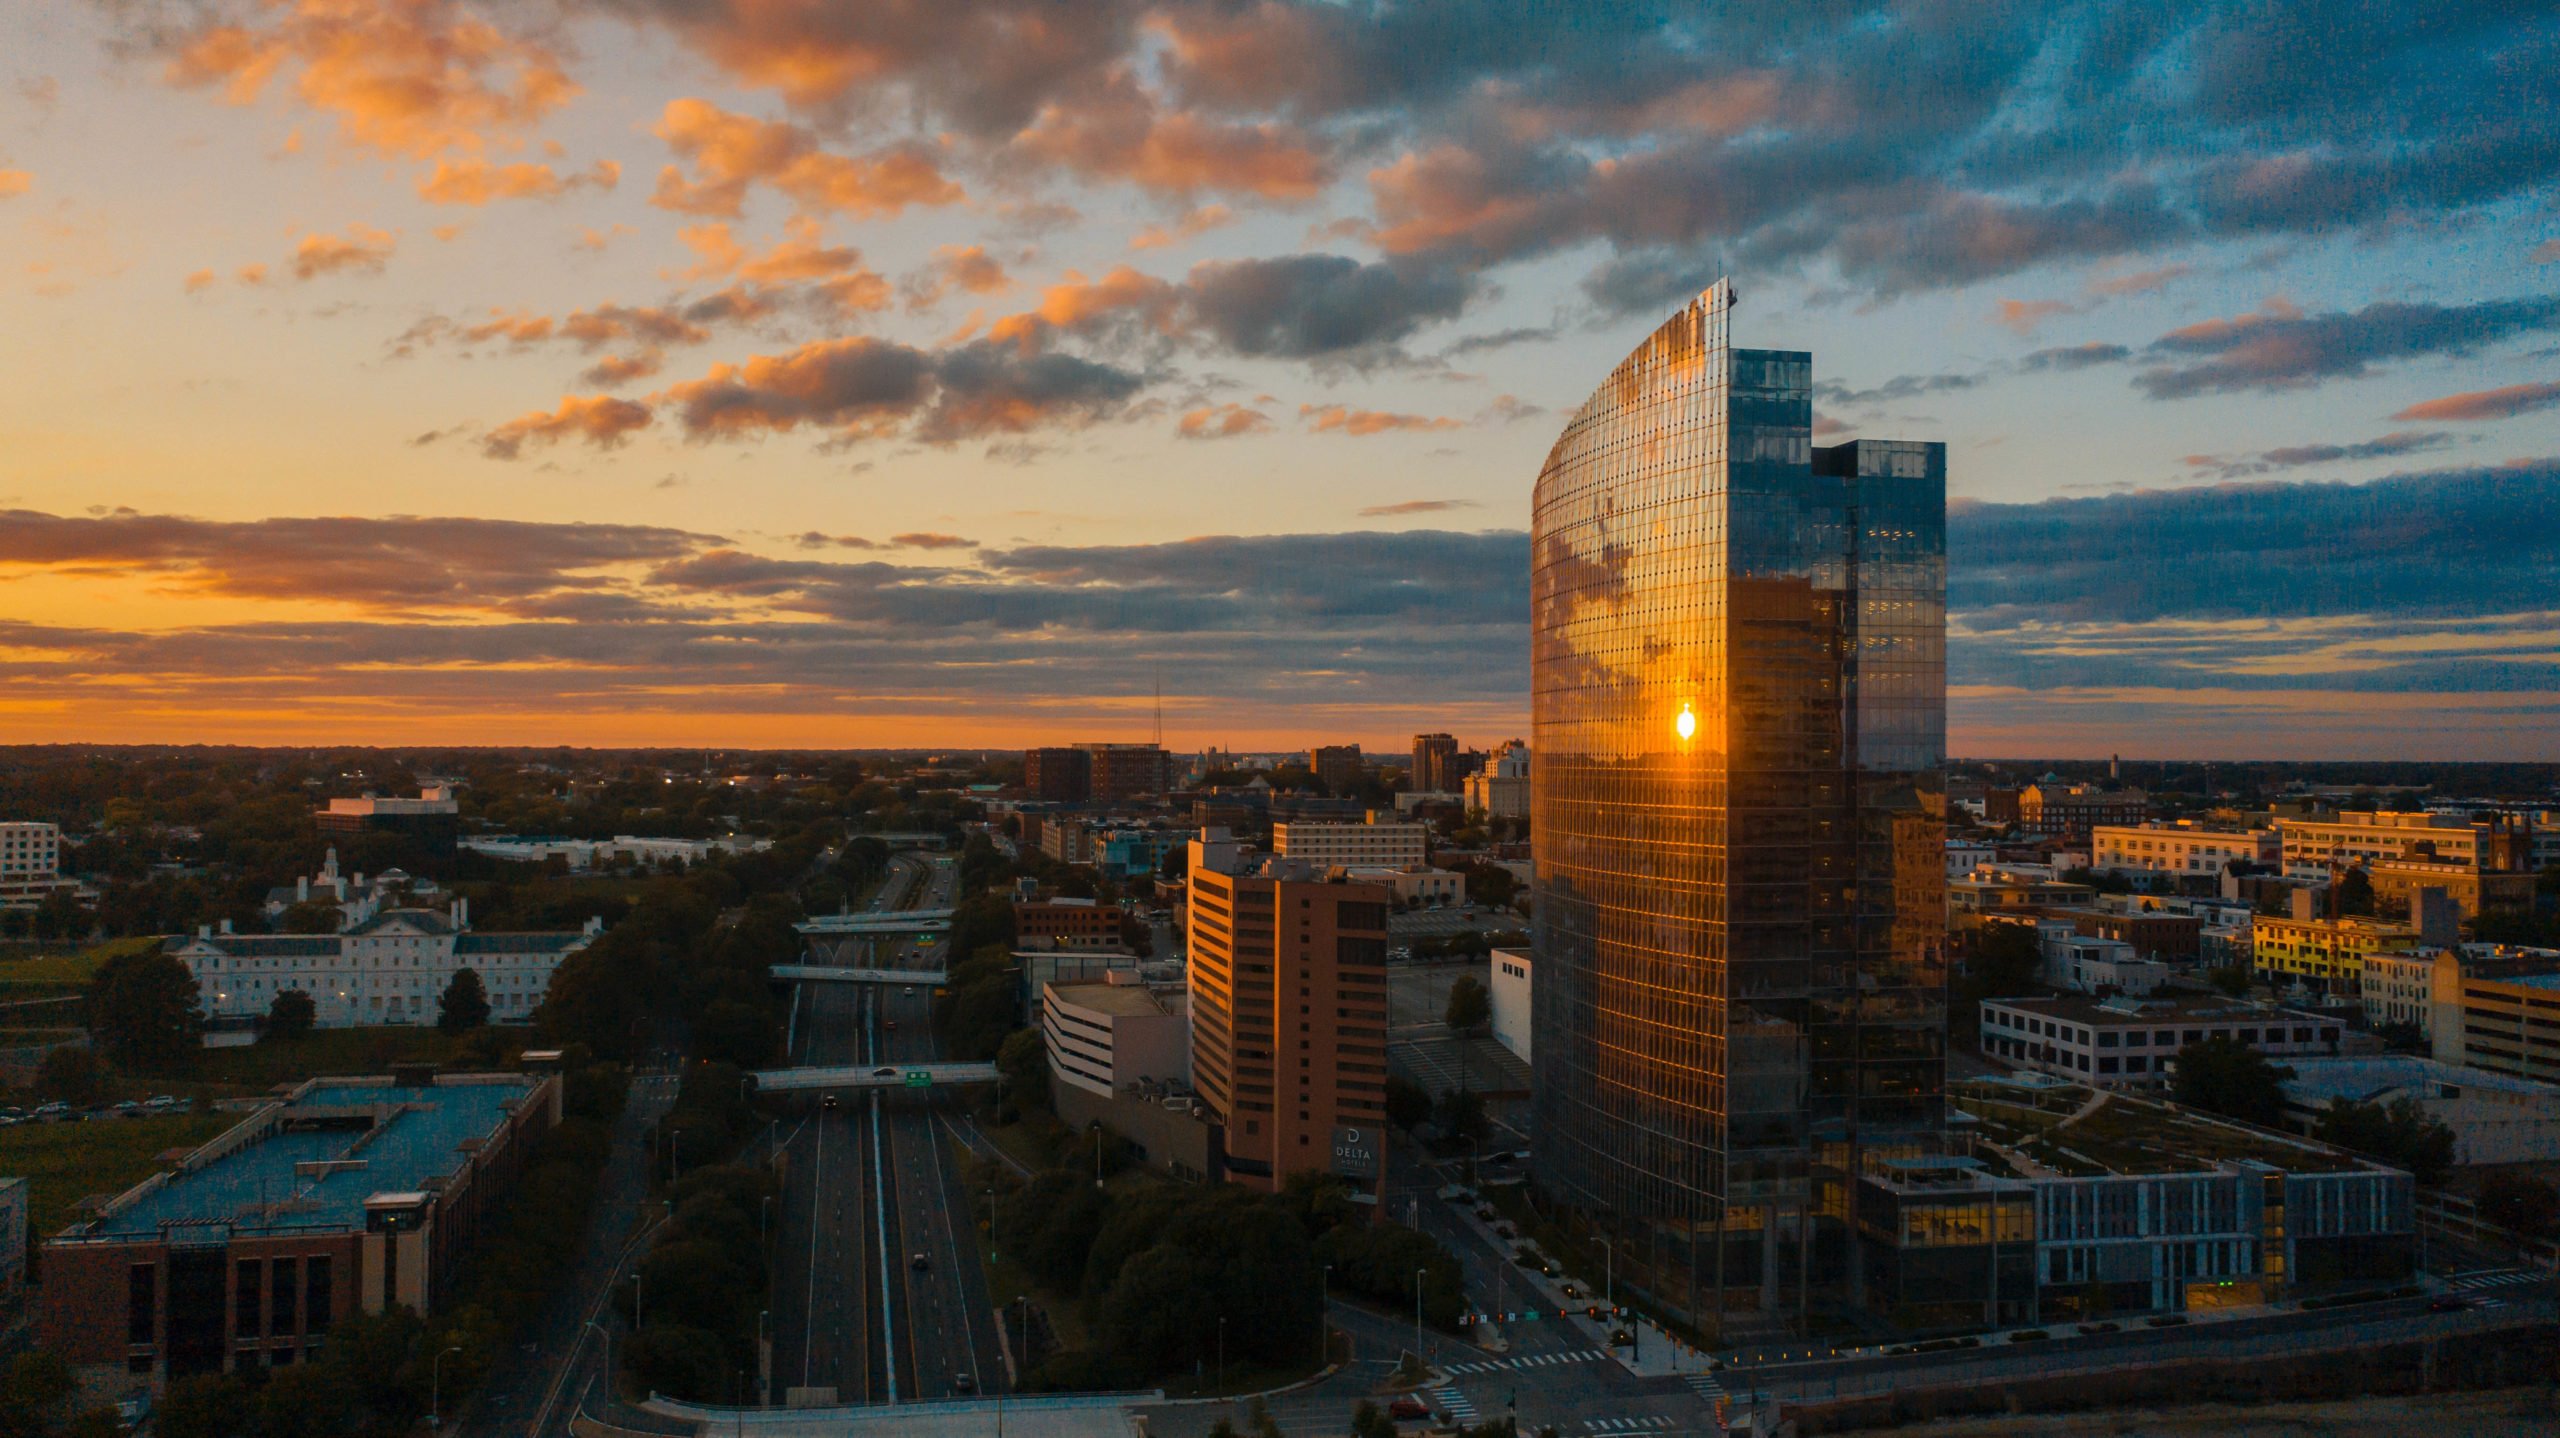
(1739,668)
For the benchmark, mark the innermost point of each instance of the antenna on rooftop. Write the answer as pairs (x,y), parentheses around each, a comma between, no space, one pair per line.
(1159,669)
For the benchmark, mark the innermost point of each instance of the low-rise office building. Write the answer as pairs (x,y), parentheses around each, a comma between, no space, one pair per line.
(30,863)
(433,818)
(2495,1118)
(1508,987)
(1418,885)
(1066,923)
(2324,954)
(2472,889)
(2086,965)
(1377,844)
(2182,848)
(2071,813)
(2501,1016)
(2136,1207)
(2126,1043)
(347,1196)
(1109,1034)
(1999,891)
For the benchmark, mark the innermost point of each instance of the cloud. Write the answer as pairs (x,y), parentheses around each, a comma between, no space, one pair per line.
(14,183)
(2506,403)
(1417,506)
(1194,223)
(835,275)
(362,250)
(479,182)
(968,269)
(1222,421)
(1328,309)
(1509,409)
(2140,282)
(1115,131)
(1339,419)
(600,420)
(730,153)
(2296,456)
(415,78)
(2075,357)
(198,281)
(1894,390)
(932,541)
(863,388)
(2278,347)
(2022,316)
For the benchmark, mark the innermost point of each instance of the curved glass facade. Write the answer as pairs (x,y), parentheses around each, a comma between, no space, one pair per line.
(1738,665)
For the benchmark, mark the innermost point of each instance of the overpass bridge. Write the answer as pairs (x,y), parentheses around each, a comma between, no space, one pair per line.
(886,921)
(893,1075)
(834,974)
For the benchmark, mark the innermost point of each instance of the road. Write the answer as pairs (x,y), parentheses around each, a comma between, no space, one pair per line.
(871,1187)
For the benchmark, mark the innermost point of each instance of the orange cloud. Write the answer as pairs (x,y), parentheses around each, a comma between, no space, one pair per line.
(600,420)
(1448,197)
(836,272)
(967,268)
(1224,421)
(1121,134)
(2023,316)
(362,250)
(2505,403)
(478,182)
(730,153)
(1196,222)
(199,282)
(1074,301)
(253,274)
(402,77)
(15,182)
(1362,422)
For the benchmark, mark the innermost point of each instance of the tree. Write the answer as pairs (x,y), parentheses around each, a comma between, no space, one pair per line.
(71,1074)
(1470,1006)
(2229,979)
(2399,1133)
(465,1004)
(1023,1062)
(1370,1421)
(1408,1103)
(143,1011)
(313,917)
(2520,1203)
(31,1387)
(2004,960)
(290,1015)
(2355,893)
(1461,1115)
(2228,1077)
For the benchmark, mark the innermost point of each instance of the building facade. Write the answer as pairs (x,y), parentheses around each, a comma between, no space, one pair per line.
(1501,789)
(2181,848)
(1738,684)
(1375,844)
(433,819)
(1288,980)
(1125,771)
(390,969)
(1338,767)
(1057,775)
(1435,764)
(2129,1043)
(1508,986)
(30,863)
(347,1196)
(2324,954)
(1063,923)
(2072,813)
(1109,1035)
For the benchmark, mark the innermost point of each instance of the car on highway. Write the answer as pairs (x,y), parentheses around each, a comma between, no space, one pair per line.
(828,1103)
(889,1024)
(910,991)
(2447,1303)
(885,1071)
(963,1383)
(919,1263)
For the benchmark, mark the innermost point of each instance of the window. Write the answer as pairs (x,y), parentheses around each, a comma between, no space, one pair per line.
(142,1303)
(246,1279)
(315,1293)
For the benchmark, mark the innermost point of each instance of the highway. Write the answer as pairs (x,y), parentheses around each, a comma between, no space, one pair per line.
(872,1188)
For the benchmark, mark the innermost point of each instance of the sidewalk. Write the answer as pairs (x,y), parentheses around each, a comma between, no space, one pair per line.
(1655,1353)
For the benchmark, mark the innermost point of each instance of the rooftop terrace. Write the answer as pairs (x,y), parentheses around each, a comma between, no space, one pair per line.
(2083,1133)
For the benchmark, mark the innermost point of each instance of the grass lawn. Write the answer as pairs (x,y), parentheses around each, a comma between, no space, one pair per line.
(65,1162)
(68,970)
(335,1051)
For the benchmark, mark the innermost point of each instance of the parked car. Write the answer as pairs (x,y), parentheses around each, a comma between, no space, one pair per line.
(1407,1407)
(2447,1303)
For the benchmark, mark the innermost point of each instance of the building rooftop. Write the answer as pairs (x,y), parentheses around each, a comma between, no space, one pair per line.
(2095,1012)
(312,1161)
(2317,1082)
(2085,1133)
(2535,981)
(1128,1001)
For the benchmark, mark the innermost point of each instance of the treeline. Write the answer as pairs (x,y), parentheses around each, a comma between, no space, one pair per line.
(375,1375)
(694,1301)
(1160,1272)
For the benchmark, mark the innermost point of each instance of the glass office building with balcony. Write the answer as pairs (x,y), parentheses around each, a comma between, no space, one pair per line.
(1739,675)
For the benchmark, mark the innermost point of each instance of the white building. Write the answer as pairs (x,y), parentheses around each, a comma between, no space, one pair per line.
(584,854)
(1387,845)
(391,969)
(2074,961)
(30,863)
(1510,993)
(356,899)
(1966,855)
(2178,848)
(2128,1043)
(1501,787)
(2495,1118)
(1112,1034)
(1418,885)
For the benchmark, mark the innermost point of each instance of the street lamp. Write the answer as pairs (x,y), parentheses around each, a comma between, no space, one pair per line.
(1222,1353)
(607,1335)
(1324,1294)
(435,1387)
(764,1361)
(1417,1314)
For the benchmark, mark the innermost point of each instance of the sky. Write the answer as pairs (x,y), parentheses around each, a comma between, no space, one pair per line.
(796,373)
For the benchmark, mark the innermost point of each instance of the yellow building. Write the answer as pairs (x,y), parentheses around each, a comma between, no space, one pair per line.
(2327,952)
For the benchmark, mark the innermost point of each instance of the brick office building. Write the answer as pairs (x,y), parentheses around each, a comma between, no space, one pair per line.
(347,1196)
(1288,1014)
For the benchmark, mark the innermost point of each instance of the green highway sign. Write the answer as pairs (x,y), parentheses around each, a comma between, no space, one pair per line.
(919,1078)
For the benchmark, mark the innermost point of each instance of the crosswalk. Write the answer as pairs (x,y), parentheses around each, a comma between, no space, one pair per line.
(1527,1360)
(1650,1423)
(1455,1404)
(2492,1278)
(1705,1386)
